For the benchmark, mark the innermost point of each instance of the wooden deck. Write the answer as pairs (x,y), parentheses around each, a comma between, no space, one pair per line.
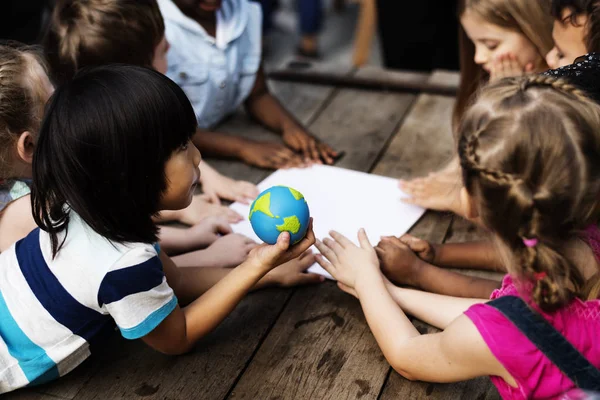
(311,342)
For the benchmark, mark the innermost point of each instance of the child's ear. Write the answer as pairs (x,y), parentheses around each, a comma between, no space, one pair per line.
(26,147)
(468,205)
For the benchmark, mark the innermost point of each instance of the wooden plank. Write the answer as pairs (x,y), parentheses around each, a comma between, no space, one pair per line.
(321,346)
(29,394)
(480,389)
(207,372)
(219,358)
(303,72)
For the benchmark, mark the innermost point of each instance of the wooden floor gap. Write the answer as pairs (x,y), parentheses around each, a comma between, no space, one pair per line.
(258,346)
(385,382)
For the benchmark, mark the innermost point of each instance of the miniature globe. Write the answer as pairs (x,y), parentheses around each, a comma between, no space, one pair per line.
(279,209)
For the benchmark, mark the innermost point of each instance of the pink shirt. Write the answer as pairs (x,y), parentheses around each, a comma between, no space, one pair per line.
(535,374)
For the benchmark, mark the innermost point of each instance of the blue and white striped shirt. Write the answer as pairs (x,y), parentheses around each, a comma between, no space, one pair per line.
(53,310)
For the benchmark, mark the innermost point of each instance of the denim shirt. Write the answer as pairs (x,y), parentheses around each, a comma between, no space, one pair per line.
(216,73)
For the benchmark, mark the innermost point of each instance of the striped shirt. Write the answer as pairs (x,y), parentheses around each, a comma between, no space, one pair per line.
(54,311)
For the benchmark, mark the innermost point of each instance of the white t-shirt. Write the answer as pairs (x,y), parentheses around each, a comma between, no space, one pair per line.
(54,311)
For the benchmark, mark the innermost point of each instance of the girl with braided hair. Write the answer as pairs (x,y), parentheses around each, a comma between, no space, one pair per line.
(529,151)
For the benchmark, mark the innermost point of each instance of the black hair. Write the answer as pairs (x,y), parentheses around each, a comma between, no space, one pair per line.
(577,6)
(589,8)
(102,150)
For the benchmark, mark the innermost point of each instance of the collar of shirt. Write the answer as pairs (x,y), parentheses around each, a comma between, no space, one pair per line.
(232,19)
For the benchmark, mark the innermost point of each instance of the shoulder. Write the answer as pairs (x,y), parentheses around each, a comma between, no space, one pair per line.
(16,221)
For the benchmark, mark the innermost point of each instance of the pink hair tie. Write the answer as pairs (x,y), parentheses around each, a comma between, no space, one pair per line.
(540,275)
(530,242)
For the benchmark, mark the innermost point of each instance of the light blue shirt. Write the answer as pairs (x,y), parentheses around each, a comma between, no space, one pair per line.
(216,73)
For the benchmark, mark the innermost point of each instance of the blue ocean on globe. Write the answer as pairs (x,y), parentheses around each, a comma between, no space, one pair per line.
(279,209)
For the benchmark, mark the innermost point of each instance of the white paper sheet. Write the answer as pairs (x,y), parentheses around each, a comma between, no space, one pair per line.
(343,200)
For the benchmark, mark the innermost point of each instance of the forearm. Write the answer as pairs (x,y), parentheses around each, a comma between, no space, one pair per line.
(219,144)
(387,321)
(438,280)
(207,312)
(435,309)
(475,255)
(195,281)
(268,111)
(176,241)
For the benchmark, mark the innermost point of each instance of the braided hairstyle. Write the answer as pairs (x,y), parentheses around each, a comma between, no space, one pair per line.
(530,154)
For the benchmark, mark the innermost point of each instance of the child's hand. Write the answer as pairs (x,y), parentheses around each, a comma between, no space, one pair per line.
(217,186)
(266,257)
(229,251)
(293,273)
(209,230)
(298,139)
(398,262)
(344,260)
(422,248)
(202,207)
(270,155)
(507,65)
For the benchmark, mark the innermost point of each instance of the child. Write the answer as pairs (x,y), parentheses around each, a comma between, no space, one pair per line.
(576,30)
(97,32)
(530,157)
(498,38)
(113,150)
(24,89)
(215,57)
(20,116)
(411,261)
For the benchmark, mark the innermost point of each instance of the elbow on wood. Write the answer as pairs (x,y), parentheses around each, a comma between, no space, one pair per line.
(405,374)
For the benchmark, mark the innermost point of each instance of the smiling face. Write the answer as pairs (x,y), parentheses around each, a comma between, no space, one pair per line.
(182,173)
(492,41)
(569,35)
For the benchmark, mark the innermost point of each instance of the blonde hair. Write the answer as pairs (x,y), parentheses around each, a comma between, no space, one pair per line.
(22,96)
(531,18)
(530,154)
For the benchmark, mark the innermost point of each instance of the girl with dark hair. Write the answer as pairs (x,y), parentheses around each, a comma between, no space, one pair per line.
(114,149)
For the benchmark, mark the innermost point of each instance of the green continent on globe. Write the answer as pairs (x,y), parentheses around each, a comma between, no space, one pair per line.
(297,195)
(290,224)
(263,204)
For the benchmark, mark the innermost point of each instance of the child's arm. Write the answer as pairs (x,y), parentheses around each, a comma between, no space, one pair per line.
(180,240)
(435,309)
(266,109)
(400,264)
(261,154)
(456,354)
(226,252)
(468,255)
(183,327)
(16,221)
(190,282)
(201,207)
(217,186)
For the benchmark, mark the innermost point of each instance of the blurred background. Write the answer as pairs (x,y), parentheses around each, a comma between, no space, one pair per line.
(398,34)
